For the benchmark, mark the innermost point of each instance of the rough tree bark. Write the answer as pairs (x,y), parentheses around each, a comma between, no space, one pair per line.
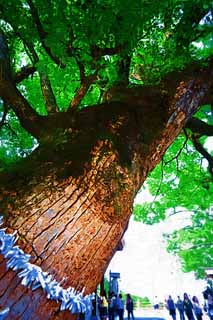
(70,202)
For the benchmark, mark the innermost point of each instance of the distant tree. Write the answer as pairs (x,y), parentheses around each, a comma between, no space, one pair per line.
(92,95)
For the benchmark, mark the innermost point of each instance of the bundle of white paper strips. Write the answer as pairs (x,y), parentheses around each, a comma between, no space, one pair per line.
(32,276)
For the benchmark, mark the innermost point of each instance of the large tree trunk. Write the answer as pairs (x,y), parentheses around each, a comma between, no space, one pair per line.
(71,201)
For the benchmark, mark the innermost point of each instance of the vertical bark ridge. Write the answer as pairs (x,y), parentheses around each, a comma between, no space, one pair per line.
(6,277)
(96,245)
(27,301)
(57,216)
(63,242)
(48,225)
(50,258)
(107,248)
(39,193)
(39,203)
(61,212)
(20,223)
(53,213)
(62,223)
(22,300)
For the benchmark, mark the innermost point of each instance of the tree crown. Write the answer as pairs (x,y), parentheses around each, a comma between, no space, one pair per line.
(65,55)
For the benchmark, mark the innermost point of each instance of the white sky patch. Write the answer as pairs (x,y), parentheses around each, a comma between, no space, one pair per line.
(209,144)
(147,269)
(207,19)
(144,196)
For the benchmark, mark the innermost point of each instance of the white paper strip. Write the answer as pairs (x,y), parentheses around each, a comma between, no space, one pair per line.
(32,276)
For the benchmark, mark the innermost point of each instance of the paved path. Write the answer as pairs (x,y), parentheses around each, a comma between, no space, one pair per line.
(147,318)
(150,314)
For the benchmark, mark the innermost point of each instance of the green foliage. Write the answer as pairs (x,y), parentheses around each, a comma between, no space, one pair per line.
(157,36)
(143,213)
(15,142)
(182,183)
(31,90)
(194,244)
(141,302)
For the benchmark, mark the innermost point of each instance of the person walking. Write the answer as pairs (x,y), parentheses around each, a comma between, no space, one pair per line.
(180,307)
(111,306)
(188,307)
(129,306)
(103,307)
(210,306)
(155,303)
(171,307)
(120,307)
(197,308)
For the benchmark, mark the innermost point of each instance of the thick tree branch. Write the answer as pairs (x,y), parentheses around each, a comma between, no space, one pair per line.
(28,118)
(81,70)
(82,91)
(2,122)
(28,47)
(5,70)
(30,69)
(11,96)
(199,147)
(123,70)
(42,34)
(48,95)
(85,83)
(24,73)
(194,71)
(200,127)
(46,88)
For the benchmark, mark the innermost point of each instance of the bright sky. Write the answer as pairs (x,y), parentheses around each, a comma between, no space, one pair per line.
(146,268)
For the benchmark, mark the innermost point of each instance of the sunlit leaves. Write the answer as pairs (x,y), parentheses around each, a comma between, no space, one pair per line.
(185,182)
(194,244)
(15,142)
(159,36)
(182,183)
(31,90)
(92,97)
(205,113)
(64,83)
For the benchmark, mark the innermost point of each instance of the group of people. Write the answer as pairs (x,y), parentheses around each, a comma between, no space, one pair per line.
(190,309)
(115,305)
